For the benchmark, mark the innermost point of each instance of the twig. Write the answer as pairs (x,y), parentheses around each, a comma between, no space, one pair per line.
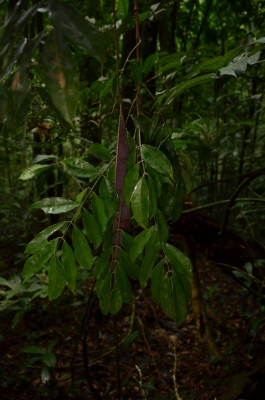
(175,369)
(141,382)
(217,203)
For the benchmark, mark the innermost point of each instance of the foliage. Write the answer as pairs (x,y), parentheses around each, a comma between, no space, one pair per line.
(116,156)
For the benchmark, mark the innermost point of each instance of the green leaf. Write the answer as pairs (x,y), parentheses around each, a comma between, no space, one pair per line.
(185,283)
(33,350)
(49,360)
(167,300)
(32,171)
(61,75)
(156,281)
(54,205)
(115,299)
(107,238)
(78,29)
(102,263)
(149,63)
(99,212)
(80,168)
(110,197)
(123,284)
(179,261)
(157,160)
(167,147)
(146,267)
(132,269)
(82,249)
(35,263)
(92,228)
(140,203)
(130,182)
(138,243)
(81,196)
(153,196)
(69,264)
(180,301)
(162,227)
(137,75)
(41,157)
(43,235)
(126,240)
(104,296)
(177,90)
(123,7)
(56,279)
(99,151)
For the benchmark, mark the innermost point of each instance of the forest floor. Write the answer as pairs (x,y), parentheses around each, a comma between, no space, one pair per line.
(155,353)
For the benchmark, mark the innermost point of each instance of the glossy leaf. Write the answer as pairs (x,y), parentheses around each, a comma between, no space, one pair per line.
(162,227)
(157,160)
(140,203)
(82,249)
(92,228)
(57,280)
(54,205)
(146,267)
(99,211)
(130,182)
(115,299)
(78,29)
(43,235)
(123,284)
(180,301)
(102,262)
(132,269)
(110,197)
(80,168)
(179,261)
(99,151)
(167,300)
(156,281)
(138,243)
(70,267)
(32,171)
(35,263)
(153,196)
(61,75)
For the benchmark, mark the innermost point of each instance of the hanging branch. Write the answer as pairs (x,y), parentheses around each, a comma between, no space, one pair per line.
(138,41)
(122,220)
